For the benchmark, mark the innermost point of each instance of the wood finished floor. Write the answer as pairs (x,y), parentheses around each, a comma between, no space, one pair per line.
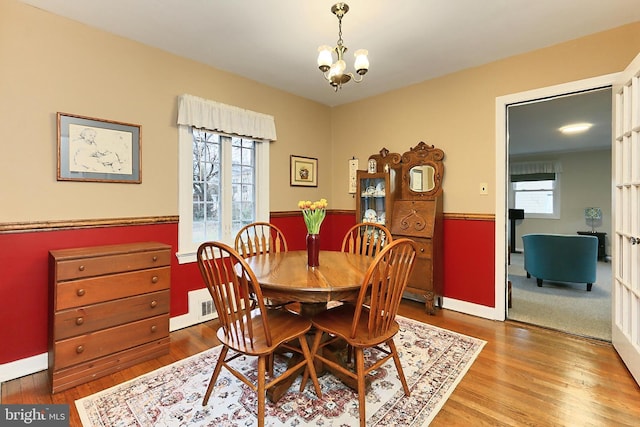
(524,376)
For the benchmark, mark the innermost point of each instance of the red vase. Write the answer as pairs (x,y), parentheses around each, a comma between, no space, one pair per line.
(313,249)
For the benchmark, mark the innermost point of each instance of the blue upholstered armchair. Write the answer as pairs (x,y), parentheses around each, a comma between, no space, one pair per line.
(561,258)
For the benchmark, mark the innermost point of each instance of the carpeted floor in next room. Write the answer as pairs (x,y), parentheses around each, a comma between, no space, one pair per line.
(562,306)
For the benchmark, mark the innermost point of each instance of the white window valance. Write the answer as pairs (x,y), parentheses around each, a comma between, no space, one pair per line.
(537,167)
(204,114)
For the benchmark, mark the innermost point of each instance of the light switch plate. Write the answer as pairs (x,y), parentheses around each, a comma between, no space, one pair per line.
(484,188)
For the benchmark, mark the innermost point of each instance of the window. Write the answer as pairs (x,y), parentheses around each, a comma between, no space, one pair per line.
(223,178)
(537,194)
(209,150)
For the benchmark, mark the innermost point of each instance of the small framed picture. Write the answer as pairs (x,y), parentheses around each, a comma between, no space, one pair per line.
(304,171)
(98,150)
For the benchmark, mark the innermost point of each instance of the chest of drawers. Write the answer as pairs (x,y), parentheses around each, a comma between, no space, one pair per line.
(108,309)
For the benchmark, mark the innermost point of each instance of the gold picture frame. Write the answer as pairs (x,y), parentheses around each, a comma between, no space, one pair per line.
(303,171)
(97,150)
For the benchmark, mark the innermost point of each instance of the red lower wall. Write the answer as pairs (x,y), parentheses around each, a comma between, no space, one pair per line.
(468,247)
(469,261)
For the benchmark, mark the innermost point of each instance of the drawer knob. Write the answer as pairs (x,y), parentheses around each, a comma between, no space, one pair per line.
(154,279)
(79,320)
(421,249)
(80,292)
(154,328)
(79,349)
(155,258)
(154,304)
(81,268)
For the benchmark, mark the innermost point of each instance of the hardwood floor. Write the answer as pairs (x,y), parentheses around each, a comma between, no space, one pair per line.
(525,375)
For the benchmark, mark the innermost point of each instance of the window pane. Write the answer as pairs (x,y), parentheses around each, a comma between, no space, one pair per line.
(533,185)
(534,201)
(243,179)
(206,186)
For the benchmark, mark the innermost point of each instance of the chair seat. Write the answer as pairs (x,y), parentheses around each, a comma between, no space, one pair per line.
(339,321)
(284,325)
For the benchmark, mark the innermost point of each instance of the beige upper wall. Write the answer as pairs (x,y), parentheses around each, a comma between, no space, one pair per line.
(457,113)
(50,64)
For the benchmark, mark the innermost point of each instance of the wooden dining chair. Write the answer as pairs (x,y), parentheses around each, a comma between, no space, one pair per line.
(369,326)
(260,238)
(366,238)
(250,331)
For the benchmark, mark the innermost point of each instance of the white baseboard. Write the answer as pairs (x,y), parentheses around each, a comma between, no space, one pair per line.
(184,321)
(22,367)
(472,309)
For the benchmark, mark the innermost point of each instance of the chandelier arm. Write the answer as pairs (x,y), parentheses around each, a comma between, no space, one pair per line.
(355,79)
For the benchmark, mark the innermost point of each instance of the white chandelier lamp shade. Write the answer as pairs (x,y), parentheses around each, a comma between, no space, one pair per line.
(362,62)
(335,71)
(324,58)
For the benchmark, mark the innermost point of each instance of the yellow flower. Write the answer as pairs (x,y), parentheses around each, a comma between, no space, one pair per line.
(313,214)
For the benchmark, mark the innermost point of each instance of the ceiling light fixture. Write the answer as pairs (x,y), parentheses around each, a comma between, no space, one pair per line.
(334,72)
(575,128)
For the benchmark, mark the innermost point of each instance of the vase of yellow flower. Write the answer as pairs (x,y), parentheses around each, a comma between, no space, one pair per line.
(313,214)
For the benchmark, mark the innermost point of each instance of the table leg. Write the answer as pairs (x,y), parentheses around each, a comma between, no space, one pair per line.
(307,310)
(336,352)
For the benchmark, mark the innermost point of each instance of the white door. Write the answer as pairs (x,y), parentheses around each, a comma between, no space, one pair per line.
(626,222)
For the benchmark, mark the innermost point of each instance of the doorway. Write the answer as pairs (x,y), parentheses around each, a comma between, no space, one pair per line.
(556,179)
(502,177)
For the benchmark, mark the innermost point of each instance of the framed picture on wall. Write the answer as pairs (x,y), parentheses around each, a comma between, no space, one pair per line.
(304,171)
(98,150)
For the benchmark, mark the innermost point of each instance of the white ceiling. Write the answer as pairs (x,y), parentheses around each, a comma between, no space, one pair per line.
(534,127)
(275,41)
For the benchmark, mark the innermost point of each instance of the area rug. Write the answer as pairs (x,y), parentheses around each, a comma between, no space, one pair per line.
(434,360)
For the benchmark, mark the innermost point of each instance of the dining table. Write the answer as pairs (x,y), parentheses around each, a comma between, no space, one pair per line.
(286,276)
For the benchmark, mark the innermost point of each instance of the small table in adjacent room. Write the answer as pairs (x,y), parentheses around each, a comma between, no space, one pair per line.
(602,249)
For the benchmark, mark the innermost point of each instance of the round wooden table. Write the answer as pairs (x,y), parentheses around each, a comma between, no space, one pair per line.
(286,276)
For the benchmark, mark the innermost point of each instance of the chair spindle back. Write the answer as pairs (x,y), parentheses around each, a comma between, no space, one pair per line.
(366,239)
(231,282)
(259,238)
(383,285)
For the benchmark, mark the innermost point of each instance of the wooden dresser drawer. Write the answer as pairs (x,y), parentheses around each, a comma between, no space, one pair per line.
(108,309)
(425,248)
(92,290)
(109,264)
(82,320)
(421,275)
(91,346)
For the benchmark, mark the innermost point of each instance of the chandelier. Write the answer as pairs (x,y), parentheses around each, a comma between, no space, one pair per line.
(334,72)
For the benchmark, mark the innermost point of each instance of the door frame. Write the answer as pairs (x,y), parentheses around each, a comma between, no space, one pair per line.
(502,166)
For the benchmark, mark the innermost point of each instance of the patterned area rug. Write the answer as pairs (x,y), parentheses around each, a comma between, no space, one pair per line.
(434,360)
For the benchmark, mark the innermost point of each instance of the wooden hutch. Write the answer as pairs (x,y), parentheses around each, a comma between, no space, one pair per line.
(413,195)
